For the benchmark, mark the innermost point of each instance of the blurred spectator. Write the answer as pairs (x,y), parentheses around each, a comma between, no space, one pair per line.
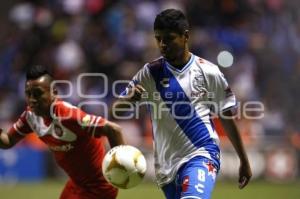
(115,38)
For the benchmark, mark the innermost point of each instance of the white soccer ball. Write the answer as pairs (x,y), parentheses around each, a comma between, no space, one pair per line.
(124,166)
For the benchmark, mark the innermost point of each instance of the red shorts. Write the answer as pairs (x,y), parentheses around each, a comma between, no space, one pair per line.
(73,191)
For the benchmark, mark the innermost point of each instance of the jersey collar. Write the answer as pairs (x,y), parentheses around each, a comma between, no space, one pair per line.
(170,67)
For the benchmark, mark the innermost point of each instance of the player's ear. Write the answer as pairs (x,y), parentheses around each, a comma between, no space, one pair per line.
(54,92)
(186,35)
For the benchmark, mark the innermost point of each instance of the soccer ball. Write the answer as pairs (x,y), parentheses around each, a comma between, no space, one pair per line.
(124,166)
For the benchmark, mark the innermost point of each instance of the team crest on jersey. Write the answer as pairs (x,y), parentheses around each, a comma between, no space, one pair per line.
(58,130)
(64,134)
(198,85)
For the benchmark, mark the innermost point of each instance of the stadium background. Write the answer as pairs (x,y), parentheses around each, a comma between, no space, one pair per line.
(115,38)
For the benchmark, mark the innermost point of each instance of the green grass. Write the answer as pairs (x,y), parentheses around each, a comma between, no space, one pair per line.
(257,190)
(224,190)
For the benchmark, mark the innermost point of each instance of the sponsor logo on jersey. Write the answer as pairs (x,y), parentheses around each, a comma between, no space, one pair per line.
(62,148)
(165,82)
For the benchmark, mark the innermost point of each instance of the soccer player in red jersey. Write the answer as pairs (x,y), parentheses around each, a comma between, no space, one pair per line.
(75,138)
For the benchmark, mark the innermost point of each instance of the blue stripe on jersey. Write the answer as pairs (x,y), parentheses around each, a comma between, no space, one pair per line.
(192,126)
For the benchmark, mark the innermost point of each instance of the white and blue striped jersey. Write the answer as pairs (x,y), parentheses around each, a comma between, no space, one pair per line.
(181,103)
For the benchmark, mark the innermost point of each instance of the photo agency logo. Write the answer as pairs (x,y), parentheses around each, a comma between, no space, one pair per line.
(96,93)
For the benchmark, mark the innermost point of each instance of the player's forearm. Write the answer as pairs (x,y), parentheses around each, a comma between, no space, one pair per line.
(114,134)
(235,138)
(125,103)
(116,139)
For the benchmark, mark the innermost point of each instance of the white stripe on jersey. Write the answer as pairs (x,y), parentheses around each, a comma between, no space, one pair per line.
(18,131)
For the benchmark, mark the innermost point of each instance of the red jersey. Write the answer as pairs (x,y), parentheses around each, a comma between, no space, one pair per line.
(74,137)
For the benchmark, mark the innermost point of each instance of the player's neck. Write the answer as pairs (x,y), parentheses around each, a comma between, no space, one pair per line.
(181,61)
(47,113)
(47,120)
(46,116)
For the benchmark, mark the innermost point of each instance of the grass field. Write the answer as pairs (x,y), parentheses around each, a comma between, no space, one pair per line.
(224,190)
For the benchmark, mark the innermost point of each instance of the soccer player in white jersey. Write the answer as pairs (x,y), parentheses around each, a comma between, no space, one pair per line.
(182,90)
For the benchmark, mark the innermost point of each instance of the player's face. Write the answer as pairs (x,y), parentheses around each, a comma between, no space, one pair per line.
(38,96)
(172,45)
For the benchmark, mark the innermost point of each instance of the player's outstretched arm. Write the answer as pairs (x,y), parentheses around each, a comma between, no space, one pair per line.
(7,140)
(235,138)
(124,101)
(113,133)
(133,93)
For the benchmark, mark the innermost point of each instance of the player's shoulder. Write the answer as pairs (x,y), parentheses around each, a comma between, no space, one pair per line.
(60,104)
(207,67)
(155,64)
(155,67)
(62,108)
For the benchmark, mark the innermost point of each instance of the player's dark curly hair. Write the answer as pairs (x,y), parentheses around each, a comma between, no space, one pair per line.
(36,71)
(171,19)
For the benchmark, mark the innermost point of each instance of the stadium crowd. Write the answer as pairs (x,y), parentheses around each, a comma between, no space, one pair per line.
(116,37)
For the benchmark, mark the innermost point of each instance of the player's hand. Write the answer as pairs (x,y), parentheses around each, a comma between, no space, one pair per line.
(1,133)
(4,140)
(244,174)
(134,93)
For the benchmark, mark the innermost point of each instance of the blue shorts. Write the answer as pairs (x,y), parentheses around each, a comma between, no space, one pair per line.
(194,180)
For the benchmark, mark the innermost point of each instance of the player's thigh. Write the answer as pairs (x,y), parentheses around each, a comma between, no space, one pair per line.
(196,179)
(70,191)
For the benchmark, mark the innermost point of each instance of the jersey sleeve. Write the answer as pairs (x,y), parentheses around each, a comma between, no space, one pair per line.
(220,93)
(142,77)
(79,121)
(21,126)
